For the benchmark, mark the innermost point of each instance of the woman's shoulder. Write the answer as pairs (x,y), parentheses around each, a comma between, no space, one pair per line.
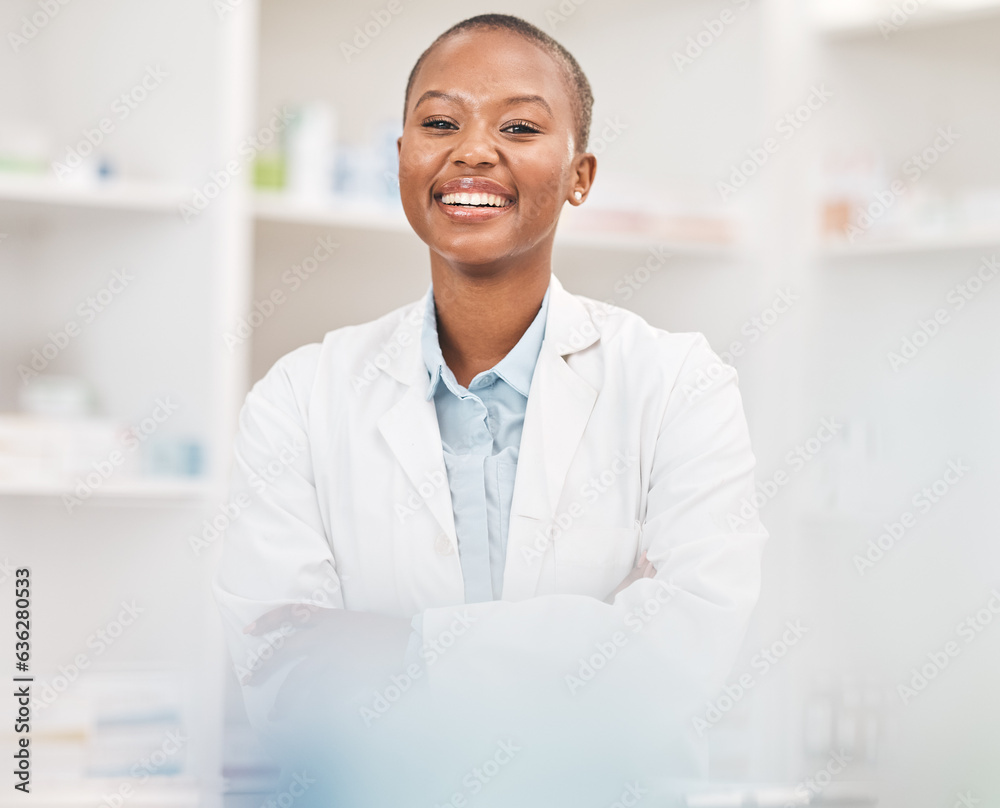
(627,332)
(340,348)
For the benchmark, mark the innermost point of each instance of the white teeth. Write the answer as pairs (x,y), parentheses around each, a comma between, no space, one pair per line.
(478,199)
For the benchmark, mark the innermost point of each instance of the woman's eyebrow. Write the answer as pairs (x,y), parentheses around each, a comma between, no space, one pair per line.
(529,99)
(437,94)
(508,102)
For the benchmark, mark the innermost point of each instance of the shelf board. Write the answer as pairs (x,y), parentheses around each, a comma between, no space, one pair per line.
(114,195)
(275,206)
(280,208)
(152,488)
(954,242)
(931,15)
(640,242)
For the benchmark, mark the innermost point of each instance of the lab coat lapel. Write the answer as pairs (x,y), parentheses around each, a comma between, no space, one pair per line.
(559,406)
(410,426)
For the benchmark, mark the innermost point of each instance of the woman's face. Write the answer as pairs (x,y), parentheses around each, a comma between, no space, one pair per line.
(487,156)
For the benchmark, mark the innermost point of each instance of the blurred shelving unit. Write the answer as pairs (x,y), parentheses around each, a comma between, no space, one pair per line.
(198,278)
(860,20)
(117,196)
(103,281)
(134,491)
(280,207)
(986,241)
(276,207)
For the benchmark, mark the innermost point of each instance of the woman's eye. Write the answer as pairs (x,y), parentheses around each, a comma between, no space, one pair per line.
(520,128)
(438,123)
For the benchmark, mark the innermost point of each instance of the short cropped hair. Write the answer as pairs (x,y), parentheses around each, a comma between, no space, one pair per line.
(581,95)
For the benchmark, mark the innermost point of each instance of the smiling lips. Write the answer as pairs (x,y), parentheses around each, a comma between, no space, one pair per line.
(473,199)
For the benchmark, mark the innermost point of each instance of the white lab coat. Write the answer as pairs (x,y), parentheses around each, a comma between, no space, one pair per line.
(634,439)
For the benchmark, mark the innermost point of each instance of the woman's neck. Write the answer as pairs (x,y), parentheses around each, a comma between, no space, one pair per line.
(481,316)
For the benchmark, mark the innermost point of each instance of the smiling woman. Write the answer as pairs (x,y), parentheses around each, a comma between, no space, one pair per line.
(516,525)
(496,120)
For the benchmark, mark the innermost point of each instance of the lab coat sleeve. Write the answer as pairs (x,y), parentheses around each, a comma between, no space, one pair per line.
(275,550)
(676,635)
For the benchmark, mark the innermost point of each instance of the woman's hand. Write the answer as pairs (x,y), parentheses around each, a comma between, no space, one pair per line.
(357,641)
(644,569)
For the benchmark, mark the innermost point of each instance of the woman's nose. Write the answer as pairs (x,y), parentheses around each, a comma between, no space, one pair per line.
(475,147)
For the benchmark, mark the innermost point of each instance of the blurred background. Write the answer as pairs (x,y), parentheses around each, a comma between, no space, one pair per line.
(190,189)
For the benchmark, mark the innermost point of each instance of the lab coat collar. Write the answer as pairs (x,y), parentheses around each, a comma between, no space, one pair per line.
(559,405)
(568,328)
(516,368)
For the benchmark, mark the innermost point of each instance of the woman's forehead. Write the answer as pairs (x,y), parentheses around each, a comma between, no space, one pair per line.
(492,66)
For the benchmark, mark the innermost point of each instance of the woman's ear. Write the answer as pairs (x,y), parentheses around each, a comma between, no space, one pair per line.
(584,169)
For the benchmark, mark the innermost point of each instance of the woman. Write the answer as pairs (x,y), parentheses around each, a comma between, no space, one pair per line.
(472,483)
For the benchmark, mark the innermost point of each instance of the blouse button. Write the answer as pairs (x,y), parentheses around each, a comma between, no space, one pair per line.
(443,545)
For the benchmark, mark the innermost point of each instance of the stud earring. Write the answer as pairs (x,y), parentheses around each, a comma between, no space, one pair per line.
(579,195)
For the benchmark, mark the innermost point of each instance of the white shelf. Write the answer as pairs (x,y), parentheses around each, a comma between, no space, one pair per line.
(278,207)
(933,244)
(930,15)
(273,206)
(640,242)
(91,791)
(114,195)
(148,489)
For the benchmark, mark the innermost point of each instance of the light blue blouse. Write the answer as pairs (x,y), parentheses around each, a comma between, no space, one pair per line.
(480,436)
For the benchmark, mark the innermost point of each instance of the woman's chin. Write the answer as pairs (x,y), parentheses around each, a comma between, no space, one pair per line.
(475,252)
